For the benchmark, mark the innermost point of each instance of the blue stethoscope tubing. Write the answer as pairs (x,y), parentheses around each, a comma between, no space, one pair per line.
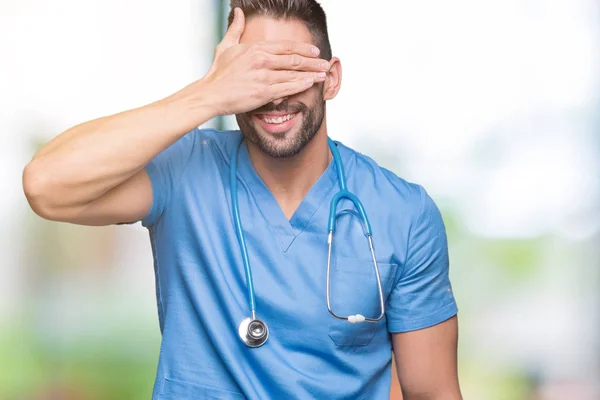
(254,331)
(344,193)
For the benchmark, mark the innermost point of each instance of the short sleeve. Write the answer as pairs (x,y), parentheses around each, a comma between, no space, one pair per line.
(165,171)
(423,294)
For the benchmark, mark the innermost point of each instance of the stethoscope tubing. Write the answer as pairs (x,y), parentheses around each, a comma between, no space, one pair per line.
(245,329)
(240,231)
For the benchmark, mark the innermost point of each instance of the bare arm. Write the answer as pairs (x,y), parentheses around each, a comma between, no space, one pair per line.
(426,362)
(94,173)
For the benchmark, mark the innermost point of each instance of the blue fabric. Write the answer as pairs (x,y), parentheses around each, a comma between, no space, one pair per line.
(201,288)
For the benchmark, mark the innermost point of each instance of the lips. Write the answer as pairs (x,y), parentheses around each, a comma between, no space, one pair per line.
(277,122)
(276,119)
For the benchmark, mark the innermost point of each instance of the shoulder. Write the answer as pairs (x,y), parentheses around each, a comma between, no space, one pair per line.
(402,202)
(223,140)
(378,179)
(214,141)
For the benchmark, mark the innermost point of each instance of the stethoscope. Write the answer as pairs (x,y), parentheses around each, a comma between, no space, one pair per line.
(253,331)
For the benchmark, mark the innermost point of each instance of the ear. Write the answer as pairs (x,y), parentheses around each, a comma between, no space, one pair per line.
(333,81)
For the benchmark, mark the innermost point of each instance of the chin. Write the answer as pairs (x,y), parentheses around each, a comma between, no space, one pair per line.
(278,141)
(276,137)
(278,134)
(278,145)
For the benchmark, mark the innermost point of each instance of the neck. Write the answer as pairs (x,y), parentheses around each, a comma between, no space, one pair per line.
(290,179)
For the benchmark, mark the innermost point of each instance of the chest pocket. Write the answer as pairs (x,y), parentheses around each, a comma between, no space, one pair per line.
(354,291)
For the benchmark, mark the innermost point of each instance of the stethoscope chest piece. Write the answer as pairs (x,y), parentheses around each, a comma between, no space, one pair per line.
(253,332)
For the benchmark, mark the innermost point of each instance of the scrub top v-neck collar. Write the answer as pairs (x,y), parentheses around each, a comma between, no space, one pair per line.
(286,230)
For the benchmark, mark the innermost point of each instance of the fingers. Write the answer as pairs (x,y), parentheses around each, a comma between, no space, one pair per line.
(234,33)
(280,90)
(289,47)
(288,55)
(276,77)
(297,62)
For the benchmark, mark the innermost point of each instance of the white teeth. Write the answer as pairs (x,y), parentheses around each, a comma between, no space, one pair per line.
(278,120)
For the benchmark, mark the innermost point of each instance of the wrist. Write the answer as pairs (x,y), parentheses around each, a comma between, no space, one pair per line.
(194,103)
(203,100)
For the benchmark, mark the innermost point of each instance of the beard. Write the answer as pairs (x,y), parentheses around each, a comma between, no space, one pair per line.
(284,144)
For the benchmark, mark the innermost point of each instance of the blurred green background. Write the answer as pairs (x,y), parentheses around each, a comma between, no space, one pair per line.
(493,106)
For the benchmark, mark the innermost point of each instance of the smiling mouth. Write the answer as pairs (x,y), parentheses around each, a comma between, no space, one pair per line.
(276,120)
(277,123)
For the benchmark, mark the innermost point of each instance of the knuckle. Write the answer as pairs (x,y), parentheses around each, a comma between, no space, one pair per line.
(287,46)
(295,60)
(260,60)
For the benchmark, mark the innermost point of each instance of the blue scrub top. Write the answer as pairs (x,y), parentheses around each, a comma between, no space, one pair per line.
(201,287)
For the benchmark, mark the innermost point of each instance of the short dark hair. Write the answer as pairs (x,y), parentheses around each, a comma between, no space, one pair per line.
(308,11)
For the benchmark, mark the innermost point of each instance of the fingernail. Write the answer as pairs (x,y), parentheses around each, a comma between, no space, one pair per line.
(321,74)
(325,66)
(315,51)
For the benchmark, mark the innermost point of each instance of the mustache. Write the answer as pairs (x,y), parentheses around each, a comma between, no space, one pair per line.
(281,107)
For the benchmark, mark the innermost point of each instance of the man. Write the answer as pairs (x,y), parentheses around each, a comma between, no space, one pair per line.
(274,71)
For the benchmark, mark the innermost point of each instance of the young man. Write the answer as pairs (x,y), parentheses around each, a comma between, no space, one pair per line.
(274,71)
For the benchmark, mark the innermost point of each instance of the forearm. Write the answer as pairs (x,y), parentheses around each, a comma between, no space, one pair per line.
(86,161)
